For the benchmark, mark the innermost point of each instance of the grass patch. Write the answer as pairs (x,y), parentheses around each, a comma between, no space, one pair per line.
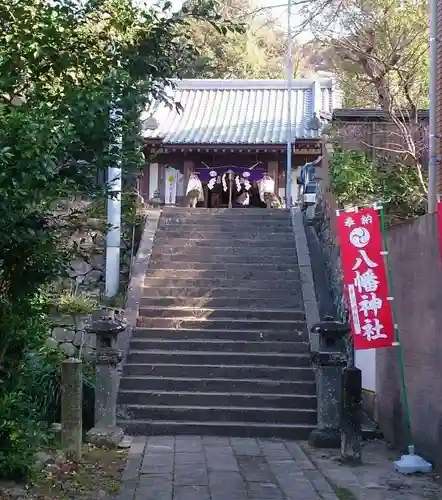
(98,473)
(344,493)
(97,476)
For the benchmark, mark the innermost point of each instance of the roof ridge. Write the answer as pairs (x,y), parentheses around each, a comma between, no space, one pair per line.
(240,111)
(243,84)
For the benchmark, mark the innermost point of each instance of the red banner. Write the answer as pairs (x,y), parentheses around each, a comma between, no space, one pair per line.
(439,225)
(365,279)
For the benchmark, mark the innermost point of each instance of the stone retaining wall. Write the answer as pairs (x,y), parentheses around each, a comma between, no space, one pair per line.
(325,227)
(69,333)
(87,276)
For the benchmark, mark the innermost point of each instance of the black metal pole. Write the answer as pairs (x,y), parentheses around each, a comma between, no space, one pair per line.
(351,433)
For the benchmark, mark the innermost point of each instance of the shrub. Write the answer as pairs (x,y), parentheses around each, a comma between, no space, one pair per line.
(22,432)
(356,180)
(29,403)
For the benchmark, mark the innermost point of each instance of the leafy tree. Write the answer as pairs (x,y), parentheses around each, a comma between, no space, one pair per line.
(379,53)
(255,50)
(357,180)
(378,49)
(62,64)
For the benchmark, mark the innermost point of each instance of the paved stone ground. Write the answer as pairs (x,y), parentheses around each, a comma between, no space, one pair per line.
(213,468)
(376,478)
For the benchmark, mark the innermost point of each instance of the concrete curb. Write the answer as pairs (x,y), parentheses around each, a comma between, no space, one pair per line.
(318,480)
(131,473)
(134,291)
(307,282)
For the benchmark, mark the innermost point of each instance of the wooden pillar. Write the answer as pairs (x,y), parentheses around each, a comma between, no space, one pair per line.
(188,169)
(273,171)
(153,179)
(162,180)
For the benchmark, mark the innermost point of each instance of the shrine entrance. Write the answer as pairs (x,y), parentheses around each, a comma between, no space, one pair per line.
(233,187)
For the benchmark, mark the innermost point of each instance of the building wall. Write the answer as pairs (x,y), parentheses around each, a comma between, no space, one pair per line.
(439,97)
(184,162)
(417,278)
(376,138)
(417,274)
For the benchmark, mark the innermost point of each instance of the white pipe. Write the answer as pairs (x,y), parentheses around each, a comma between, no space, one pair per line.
(288,185)
(432,167)
(113,240)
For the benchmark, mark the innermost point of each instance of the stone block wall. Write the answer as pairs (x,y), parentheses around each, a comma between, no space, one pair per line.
(87,277)
(324,223)
(88,271)
(69,333)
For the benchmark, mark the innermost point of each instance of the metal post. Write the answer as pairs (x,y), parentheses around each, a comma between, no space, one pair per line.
(351,433)
(113,241)
(432,167)
(288,180)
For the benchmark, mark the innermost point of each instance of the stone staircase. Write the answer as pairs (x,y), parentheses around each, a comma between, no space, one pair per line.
(221,345)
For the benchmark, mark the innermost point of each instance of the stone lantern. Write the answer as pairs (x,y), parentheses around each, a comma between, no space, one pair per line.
(106,324)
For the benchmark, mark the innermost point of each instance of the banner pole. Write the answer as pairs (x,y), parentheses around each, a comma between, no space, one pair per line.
(408,463)
(396,327)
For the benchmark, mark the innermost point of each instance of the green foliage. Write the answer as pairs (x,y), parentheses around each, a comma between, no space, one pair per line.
(355,180)
(29,403)
(41,382)
(75,304)
(378,50)
(21,433)
(40,378)
(25,392)
(254,48)
(63,66)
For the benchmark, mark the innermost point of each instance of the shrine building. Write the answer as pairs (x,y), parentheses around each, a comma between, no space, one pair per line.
(235,126)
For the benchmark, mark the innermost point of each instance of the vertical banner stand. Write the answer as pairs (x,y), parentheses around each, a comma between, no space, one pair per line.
(410,463)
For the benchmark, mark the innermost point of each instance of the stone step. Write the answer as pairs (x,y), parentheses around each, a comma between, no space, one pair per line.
(226,220)
(222,428)
(221,413)
(216,345)
(289,302)
(242,233)
(262,242)
(297,328)
(219,292)
(238,273)
(246,335)
(233,213)
(187,259)
(188,224)
(234,284)
(221,211)
(223,267)
(143,383)
(218,358)
(232,372)
(224,251)
(216,399)
(230,313)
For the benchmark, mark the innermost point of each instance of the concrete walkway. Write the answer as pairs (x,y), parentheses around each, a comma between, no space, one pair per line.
(214,468)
